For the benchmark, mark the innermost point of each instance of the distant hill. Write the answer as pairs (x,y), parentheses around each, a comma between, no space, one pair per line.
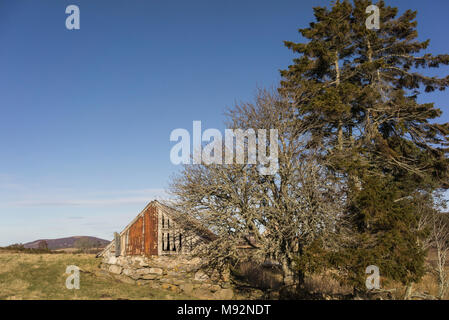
(64,243)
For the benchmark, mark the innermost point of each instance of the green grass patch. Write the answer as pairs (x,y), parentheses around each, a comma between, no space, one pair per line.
(42,276)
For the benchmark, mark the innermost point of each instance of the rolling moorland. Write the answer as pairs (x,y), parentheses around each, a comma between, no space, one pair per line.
(66,243)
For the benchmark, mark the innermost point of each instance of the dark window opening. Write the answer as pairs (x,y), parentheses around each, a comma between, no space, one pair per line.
(168,241)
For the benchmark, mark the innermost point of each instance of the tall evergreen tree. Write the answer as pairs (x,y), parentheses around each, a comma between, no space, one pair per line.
(361,88)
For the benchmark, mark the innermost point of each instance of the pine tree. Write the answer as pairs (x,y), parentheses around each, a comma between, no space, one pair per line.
(360,88)
(314,81)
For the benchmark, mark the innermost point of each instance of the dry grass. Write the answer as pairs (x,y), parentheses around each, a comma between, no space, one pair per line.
(259,276)
(42,276)
(326,285)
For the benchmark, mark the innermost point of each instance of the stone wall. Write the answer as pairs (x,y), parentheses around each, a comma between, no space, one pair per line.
(180,274)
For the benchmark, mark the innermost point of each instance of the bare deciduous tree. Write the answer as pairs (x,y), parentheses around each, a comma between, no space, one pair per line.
(437,224)
(439,237)
(280,214)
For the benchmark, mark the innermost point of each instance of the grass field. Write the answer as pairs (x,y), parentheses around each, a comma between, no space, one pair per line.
(42,276)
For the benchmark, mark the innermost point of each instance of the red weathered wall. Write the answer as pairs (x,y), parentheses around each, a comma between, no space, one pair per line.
(135,238)
(143,234)
(151,231)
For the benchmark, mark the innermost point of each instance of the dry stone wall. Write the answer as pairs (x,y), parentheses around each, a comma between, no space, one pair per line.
(180,274)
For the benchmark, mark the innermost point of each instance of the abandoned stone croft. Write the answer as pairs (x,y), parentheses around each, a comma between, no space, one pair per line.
(154,249)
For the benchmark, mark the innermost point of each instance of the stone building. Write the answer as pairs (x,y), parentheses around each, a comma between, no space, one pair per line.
(154,249)
(156,231)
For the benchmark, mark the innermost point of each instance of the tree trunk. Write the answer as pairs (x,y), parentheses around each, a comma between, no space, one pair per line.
(288,276)
(408,291)
(441,291)
(340,135)
(442,284)
(300,279)
(337,83)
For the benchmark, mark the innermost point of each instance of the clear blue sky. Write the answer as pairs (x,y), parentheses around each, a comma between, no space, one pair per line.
(86,115)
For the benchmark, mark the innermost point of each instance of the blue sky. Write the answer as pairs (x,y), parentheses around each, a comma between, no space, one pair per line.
(86,115)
